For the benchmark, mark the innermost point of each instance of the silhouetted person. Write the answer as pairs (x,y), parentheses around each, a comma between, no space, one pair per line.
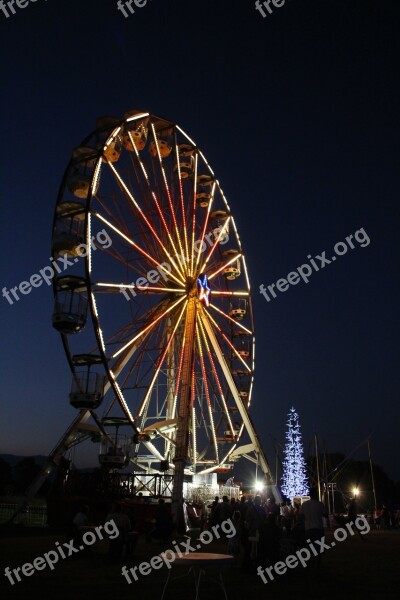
(268,544)
(163,525)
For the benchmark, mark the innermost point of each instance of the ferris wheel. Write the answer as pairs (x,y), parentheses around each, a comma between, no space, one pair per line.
(154,305)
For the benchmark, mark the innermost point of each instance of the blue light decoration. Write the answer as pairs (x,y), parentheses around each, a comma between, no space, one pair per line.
(203,289)
(294,478)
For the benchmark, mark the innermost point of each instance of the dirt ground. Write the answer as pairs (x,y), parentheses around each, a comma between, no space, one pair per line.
(359,568)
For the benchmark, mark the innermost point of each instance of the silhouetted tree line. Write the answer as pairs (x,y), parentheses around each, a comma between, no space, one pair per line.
(16,479)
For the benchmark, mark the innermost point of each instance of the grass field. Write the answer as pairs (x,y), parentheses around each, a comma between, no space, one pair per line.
(357,568)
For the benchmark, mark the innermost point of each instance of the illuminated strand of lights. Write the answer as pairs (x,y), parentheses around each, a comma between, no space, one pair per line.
(254,352)
(182,202)
(245,272)
(148,327)
(138,248)
(121,399)
(207,163)
(194,450)
(229,342)
(186,135)
(89,242)
(177,386)
(215,244)
(224,266)
(178,382)
(112,137)
(203,370)
(230,318)
(171,206)
(99,330)
(153,195)
(96,176)
(194,214)
(171,337)
(205,227)
(250,392)
(220,293)
(136,117)
(141,288)
(215,374)
(136,205)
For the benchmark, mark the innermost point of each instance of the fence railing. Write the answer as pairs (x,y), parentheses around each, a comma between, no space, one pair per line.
(31,516)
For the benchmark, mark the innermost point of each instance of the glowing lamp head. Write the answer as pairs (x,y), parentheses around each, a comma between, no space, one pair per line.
(203,289)
(258,486)
(355,491)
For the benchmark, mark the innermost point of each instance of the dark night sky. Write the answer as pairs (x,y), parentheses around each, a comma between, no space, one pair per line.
(298,115)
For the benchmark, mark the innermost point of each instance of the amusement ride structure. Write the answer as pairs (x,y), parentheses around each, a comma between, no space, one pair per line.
(154,307)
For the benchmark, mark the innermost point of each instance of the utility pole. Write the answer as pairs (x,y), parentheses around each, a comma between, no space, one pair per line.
(372,472)
(318,478)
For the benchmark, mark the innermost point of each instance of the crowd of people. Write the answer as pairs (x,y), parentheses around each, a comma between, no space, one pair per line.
(263,528)
(269,532)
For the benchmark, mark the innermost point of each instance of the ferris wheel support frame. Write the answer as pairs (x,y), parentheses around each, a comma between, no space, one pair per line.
(257,448)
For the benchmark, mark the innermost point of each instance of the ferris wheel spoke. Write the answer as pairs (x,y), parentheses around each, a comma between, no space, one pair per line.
(194,206)
(229,318)
(194,440)
(160,363)
(120,221)
(169,194)
(227,340)
(214,370)
(180,269)
(138,248)
(206,220)
(167,311)
(229,262)
(222,231)
(230,294)
(206,389)
(146,220)
(182,201)
(115,254)
(143,289)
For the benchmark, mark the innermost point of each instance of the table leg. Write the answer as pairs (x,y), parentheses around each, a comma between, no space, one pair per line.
(198,584)
(222,584)
(166,584)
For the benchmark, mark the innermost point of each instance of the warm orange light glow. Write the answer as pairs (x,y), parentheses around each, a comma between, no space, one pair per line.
(229,318)
(143,331)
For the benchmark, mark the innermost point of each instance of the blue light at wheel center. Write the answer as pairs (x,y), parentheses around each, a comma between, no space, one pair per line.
(203,289)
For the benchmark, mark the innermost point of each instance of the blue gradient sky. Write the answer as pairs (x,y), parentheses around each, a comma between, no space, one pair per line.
(298,115)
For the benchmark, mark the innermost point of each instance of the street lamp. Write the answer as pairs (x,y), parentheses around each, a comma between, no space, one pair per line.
(259,486)
(355,492)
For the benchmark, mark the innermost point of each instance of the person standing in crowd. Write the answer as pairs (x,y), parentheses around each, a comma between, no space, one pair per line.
(313,511)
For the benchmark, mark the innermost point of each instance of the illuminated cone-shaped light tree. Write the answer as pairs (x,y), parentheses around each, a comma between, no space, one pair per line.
(294,478)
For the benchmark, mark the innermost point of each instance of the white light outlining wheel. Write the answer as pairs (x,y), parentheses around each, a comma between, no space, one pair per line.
(157,267)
